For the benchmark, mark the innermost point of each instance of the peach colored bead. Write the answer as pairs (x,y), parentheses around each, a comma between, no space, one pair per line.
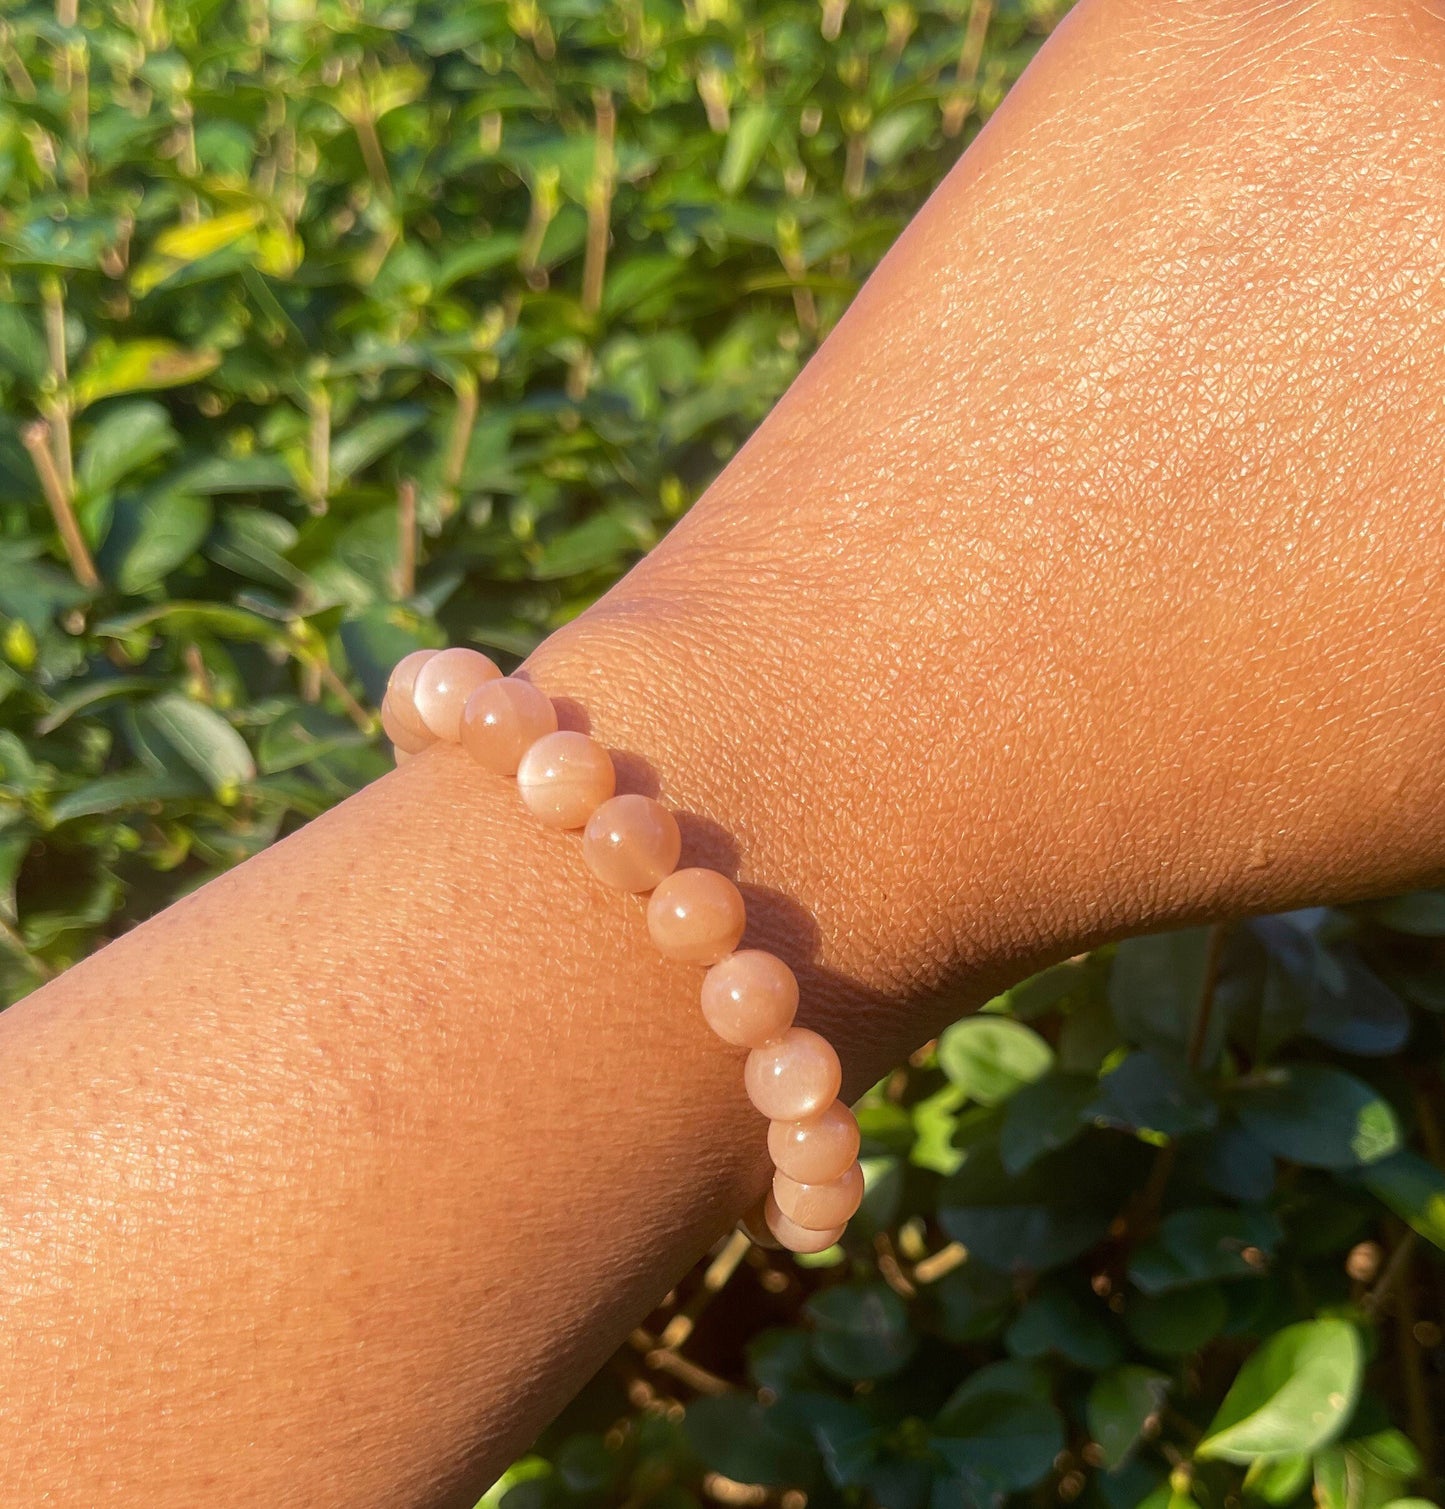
(749,998)
(794,1237)
(564,778)
(817,1150)
(405,732)
(794,1078)
(696,916)
(400,689)
(502,720)
(443,685)
(754,1226)
(820,1207)
(631,842)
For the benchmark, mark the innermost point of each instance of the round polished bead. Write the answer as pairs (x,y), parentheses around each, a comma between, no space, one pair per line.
(696,916)
(794,1237)
(631,842)
(754,1226)
(407,733)
(501,721)
(817,1150)
(749,998)
(564,778)
(820,1207)
(401,699)
(794,1078)
(443,685)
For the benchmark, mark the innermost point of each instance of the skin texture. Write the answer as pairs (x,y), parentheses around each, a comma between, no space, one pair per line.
(1080,586)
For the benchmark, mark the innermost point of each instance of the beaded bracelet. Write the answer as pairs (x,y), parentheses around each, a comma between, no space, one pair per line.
(632,843)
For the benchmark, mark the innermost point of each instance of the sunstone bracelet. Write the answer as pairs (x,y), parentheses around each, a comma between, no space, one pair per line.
(632,843)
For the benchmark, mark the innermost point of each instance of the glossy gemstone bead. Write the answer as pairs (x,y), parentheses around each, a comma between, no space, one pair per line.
(443,685)
(754,1226)
(749,998)
(820,1207)
(407,733)
(631,842)
(817,1150)
(400,699)
(564,778)
(503,719)
(794,1078)
(794,1237)
(696,916)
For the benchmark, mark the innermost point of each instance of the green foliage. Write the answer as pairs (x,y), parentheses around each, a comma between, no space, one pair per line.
(331,330)
(328,330)
(1186,1253)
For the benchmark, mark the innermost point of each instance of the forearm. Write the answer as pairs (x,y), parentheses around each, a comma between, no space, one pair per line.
(1081,547)
(1088,578)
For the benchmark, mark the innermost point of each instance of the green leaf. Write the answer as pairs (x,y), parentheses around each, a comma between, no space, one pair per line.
(363,442)
(1155,986)
(1177,1321)
(1421,914)
(935,1119)
(1319,1117)
(136,367)
(150,536)
(1414,1189)
(1046,1216)
(89,695)
(1293,1395)
(22,346)
(1043,1116)
(747,141)
(1041,993)
(204,740)
(1000,1426)
(302,735)
(1367,1472)
(1277,1480)
(1147,1093)
(991,1057)
(1196,1246)
(860,1331)
(737,1437)
(128,437)
(604,539)
(1123,1407)
(1055,1322)
(124,791)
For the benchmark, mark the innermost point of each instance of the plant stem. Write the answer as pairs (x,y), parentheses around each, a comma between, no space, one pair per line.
(970,57)
(599,202)
(405,581)
(58,409)
(1199,1035)
(339,689)
(37,439)
(1417,1389)
(318,401)
(463,422)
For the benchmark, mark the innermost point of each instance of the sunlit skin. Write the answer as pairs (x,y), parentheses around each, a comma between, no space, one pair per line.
(1086,582)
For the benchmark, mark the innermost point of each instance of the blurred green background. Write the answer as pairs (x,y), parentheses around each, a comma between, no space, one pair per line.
(329,330)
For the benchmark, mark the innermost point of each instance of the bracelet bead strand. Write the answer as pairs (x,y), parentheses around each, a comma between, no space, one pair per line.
(632,843)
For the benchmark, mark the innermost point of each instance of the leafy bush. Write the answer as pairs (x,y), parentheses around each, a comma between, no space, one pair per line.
(1160,1227)
(331,329)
